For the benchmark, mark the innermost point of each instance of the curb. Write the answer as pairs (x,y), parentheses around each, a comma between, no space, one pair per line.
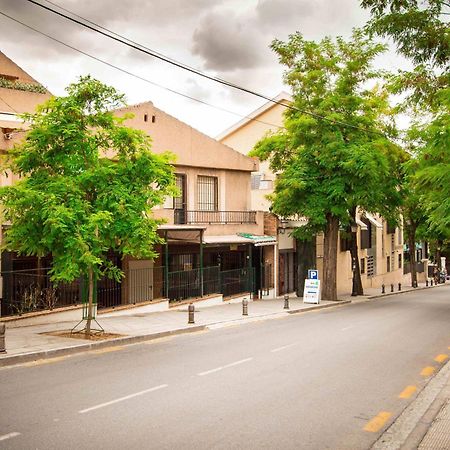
(409,428)
(126,340)
(390,294)
(304,310)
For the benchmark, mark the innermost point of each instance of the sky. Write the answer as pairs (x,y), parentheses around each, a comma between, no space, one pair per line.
(228,39)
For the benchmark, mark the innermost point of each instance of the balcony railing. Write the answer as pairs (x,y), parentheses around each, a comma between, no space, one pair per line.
(185,217)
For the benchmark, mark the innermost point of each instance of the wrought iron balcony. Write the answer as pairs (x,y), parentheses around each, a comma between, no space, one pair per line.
(186,217)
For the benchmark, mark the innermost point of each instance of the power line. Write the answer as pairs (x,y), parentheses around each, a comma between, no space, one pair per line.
(150,52)
(135,75)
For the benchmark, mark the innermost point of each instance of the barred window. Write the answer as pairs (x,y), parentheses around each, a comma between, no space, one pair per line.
(207,193)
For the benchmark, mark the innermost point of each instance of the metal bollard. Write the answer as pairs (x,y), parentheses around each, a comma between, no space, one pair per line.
(392,287)
(399,286)
(415,284)
(191,310)
(426,282)
(245,307)
(286,301)
(2,338)
(431,282)
(383,289)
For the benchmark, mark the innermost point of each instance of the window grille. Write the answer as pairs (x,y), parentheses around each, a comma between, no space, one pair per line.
(207,193)
(370,266)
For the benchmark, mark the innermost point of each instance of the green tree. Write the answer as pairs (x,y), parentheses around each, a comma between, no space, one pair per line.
(331,157)
(87,186)
(433,172)
(421,32)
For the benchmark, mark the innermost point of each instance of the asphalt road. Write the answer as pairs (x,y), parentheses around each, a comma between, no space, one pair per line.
(331,379)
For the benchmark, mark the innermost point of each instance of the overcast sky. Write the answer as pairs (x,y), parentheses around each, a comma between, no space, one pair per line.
(226,38)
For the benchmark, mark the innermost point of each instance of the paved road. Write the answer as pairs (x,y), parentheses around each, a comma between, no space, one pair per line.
(326,379)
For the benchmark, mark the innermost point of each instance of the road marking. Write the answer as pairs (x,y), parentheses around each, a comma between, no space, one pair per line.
(121,399)
(107,350)
(9,436)
(441,358)
(279,349)
(346,328)
(217,369)
(427,371)
(40,362)
(377,422)
(408,391)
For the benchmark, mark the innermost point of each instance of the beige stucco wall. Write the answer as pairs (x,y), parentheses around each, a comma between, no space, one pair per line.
(192,147)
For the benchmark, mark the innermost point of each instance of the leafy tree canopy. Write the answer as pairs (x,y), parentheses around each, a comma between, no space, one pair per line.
(420,29)
(339,156)
(433,174)
(87,186)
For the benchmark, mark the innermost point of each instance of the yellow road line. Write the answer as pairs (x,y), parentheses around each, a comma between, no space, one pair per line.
(441,358)
(427,371)
(377,422)
(408,391)
(107,350)
(40,362)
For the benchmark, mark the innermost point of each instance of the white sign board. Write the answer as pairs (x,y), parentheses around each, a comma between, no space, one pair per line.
(311,292)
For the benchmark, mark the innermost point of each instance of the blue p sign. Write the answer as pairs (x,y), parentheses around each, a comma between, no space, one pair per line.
(313,274)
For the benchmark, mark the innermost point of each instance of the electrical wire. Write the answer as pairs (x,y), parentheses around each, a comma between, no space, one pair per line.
(137,76)
(118,38)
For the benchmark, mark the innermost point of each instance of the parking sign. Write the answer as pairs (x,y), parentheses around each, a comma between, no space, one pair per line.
(313,274)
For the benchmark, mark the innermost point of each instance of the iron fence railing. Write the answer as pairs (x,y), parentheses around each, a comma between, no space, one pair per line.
(236,281)
(210,217)
(186,284)
(33,290)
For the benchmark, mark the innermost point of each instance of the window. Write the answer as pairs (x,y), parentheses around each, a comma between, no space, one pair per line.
(207,193)
(180,201)
(400,261)
(388,264)
(363,265)
(366,235)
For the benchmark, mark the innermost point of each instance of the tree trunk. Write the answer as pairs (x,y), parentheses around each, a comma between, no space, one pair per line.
(329,291)
(90,301)
(356,275)
(412,253)
(438,254)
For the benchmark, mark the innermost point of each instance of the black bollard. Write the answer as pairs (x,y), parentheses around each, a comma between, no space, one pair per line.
(245,307)
(191,310)
(431,282)
(2,338)
(399,286)
(383,289)
(286,301)
(426,282)
(392,287)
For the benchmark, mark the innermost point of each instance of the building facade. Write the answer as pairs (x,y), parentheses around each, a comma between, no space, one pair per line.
(215,244)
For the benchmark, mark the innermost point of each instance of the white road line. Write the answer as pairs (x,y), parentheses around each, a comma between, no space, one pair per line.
(236,363)
(121,399)
(9,436)
(279,349)
(346,328)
